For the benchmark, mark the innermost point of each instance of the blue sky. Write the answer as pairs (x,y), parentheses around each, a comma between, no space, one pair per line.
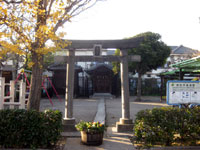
(176,20)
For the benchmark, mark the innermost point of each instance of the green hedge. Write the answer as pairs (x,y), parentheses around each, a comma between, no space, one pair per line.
(167,126)
(29,129)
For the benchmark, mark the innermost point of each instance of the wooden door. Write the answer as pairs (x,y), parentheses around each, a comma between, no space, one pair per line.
(102,84)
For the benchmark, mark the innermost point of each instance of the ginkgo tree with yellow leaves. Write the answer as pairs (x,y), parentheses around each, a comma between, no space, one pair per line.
(31,23)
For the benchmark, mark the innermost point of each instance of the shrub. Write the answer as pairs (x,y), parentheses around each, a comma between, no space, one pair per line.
(29,129)
(166,126)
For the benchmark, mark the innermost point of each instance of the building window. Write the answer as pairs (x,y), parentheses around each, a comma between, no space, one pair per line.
(148,75)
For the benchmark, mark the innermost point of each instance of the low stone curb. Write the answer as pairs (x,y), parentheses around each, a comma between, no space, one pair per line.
(176,148)
(21,149)
(71,134)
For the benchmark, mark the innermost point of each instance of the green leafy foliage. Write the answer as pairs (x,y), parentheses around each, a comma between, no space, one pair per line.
(116,65)
(153,53)
(166,126)
(48,60)
(90,127)
(152,50)
(29,129)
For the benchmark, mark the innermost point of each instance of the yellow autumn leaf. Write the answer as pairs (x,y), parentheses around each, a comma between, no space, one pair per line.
(30,64)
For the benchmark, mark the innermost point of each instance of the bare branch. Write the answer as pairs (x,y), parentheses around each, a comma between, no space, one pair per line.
(1,63)
(49,11)
(73,11)
(13,1)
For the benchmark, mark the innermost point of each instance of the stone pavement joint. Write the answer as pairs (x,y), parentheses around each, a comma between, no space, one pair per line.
(102,95)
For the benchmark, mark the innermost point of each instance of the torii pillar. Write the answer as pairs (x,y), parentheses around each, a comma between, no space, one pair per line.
(125,124)
(69,121)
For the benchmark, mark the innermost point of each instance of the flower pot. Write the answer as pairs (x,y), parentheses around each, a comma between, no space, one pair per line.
(88,138)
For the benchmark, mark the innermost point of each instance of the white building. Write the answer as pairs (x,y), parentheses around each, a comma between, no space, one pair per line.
(10,67)
(178,54)
(83,52)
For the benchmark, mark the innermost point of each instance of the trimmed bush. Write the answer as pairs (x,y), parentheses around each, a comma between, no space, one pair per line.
(167,126)
(29,129)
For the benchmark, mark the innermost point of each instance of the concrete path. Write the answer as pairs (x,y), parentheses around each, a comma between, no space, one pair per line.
(114,111)
(84,109)
(87,109)
(101,112)
(111,141)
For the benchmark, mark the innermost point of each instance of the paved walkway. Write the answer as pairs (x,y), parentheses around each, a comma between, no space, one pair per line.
(86,109)
(109,143)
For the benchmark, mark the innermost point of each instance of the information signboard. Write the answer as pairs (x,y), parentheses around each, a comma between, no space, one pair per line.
(183,92)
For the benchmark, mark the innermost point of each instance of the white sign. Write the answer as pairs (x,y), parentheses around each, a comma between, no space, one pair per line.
(183,92)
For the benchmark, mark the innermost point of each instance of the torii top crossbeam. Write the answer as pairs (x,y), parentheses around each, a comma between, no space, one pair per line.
(120,44)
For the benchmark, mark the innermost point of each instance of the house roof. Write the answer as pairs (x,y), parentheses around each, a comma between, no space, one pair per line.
(193,63)
(183,50)
(7,68)
(173,47)
(174,72)
(100,65)
(95,67)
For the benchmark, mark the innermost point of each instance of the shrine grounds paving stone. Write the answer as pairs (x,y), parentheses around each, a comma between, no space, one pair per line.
(177,148)
(86,109)
(114,111)
(109,143)
(101,112)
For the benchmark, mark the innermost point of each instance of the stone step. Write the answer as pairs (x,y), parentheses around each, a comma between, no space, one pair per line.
(102,95)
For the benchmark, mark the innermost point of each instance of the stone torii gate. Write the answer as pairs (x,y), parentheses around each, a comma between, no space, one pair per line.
(125,123)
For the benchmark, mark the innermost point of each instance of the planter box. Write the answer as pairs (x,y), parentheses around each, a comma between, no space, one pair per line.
(91,138)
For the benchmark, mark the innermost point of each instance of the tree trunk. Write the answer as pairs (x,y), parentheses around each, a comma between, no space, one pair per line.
(36,82)
(139,87)
(15,61)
